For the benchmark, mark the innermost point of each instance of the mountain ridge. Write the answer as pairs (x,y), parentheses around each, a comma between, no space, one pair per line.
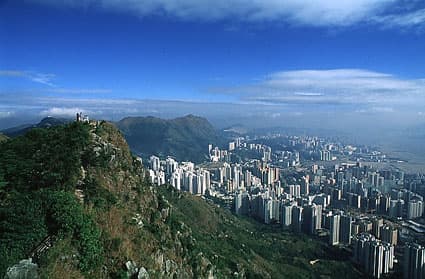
(185,138)
(46,122)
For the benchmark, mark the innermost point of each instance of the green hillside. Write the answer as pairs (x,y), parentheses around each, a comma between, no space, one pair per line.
(122,219)
(185,138)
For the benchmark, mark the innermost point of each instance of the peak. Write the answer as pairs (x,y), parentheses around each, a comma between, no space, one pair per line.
(190,117)
(193,116)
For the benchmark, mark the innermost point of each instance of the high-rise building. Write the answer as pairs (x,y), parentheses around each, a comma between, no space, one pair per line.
(305,186)
(388,257)
(377,224)
(334,229)
(396,208)
(241,203)
(312,218)
(155,163)
(414,261)
(389,234)
(286,219)
(325,155)
(336,195)
(176,178)
(354,200)
(415,208)
(297,218)
(170,167)
(384,204)
(375,257)
(345,229)
(271,211)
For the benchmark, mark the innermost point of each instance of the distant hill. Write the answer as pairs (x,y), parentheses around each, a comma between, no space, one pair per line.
(185,138)
(44,123)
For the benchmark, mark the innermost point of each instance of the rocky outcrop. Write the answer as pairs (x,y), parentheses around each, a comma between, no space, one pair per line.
(25,269)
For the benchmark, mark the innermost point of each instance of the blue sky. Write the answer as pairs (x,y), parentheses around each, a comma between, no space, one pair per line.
(288,57)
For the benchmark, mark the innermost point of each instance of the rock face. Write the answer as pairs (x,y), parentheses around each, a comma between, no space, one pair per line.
(25,269)
(131,268)
(143,274)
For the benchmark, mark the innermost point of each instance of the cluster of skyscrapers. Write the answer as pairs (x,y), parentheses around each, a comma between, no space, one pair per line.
(414,261)
(354,206)
(184,176)
(376,257)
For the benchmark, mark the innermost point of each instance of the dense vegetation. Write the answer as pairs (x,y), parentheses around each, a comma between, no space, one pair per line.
(185,138)
(38,174)
(252,249)
(122,218)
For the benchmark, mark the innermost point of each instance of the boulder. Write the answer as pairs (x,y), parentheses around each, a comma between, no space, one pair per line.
(143,273)
(131,268)
(25,269)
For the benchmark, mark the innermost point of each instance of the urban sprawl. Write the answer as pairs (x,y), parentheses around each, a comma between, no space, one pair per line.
(349,195)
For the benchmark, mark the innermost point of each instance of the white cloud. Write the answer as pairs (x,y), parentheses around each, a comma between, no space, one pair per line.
(45,79)
(6,114)
(338,86)
(63,111)
(42,78)
(382,109)
(303,12)
(415,18)
(79,90)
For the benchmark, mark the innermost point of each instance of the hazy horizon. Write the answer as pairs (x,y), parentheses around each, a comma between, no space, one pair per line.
(351,68)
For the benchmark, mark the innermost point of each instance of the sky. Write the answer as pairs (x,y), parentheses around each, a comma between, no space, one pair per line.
(259,62)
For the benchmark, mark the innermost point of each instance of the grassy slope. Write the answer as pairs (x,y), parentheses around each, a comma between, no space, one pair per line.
(253,249)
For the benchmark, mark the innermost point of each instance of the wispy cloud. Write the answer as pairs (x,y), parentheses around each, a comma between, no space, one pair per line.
(338,86)
(46,79)
(298,12)
(6,114)
(79,90)
(63,111)
(408,19)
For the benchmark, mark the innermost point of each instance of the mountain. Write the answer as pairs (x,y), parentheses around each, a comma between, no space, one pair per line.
(44,123)
(76,200)
(185,138)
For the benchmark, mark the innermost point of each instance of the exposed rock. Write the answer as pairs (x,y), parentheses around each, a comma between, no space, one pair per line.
(168,266)
(143,273)
(25,269)
(138,220)
(131,268)
(165,212)
(159,259)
